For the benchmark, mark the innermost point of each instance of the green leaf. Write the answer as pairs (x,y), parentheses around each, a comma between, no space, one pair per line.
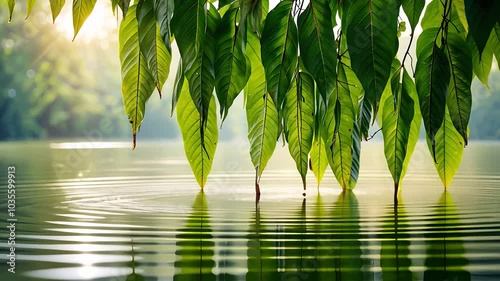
(200,72)
(254,12)
(341,140)
(449,150)
(232,68)
(433,17)
(137,82)
(164,10)
(432,77)
(365,117)
(372,43)
(318,46)
(333,11)
(413,9)
(81,11)
(178,84)
(55,7)
(482,63)
(199,154)
(318,161)
(299,120)
(123,4)
(189,28)
(459,99)
(481,18)
(11,4)
(155,52)
(29,4)
(279,50)
(396,124)
(495,43)
(262,116)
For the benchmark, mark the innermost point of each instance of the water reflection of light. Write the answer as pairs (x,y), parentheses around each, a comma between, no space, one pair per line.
(89,145)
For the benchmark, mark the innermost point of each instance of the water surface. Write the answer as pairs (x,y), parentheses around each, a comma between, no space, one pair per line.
(99,211)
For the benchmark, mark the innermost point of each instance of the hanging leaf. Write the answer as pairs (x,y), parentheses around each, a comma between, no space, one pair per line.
(232,68)
(482,63)
(432,77)
(396,124)
(178,84)
(495,42)
(481,18)
(340,138)
(200,72)
(262,116)
(254,12)
(81,11)
(372,43)
(189,28)
(413,9)
(449,150)
(137,82)
(30,4)
(299,120)
(155,52)
(318,46)
(164,10)
(279,50)
(199,154)
(11,4)
(365,117)
(318,160)
(459,99)
(55,7)
(433,17)
(123,4)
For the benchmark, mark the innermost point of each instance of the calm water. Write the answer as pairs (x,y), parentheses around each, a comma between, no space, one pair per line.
(99,211)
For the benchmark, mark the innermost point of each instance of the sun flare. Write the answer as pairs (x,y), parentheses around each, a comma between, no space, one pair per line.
(98,26)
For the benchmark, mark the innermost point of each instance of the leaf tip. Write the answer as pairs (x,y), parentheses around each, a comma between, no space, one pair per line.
(134,140)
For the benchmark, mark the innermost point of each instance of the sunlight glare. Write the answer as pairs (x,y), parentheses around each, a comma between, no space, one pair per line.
(98,27)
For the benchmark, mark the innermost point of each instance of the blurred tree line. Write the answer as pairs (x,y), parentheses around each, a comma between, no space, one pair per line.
(485,116)
(51,87)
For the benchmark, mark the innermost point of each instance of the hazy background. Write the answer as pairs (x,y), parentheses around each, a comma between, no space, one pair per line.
(53,88)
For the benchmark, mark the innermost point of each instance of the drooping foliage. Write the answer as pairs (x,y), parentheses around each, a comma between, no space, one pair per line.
(313,81)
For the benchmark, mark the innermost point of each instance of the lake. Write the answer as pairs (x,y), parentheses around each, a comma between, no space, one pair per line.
(100,211)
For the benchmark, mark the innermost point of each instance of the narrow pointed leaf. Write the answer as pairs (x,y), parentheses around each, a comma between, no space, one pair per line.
(189,28)
(155,52)
(164,10)
(318,160)
(123,4)
(200,72)
(396,125)
(279,50)
(340,138)
(11,4)
(459,99)
(318,46)
(232,68)
(495,42)
(262,116)
(432,77)
(29,4)
(299,120)
(55,7)
(449,150)
(137,82)
(372,43)
(365,117)
(482,63)
(200,155)
(178,84)
(81,11)
(481,18)
(413,9)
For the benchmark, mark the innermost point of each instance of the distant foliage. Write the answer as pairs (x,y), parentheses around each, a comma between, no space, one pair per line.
(314,73)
